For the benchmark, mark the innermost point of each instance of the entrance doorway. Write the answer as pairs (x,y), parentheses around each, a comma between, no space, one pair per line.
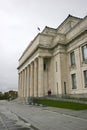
(65,88)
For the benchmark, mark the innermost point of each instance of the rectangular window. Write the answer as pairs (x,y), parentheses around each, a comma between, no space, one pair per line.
(44,66)
(74,86)
(84,52)
(72,57)
(85,78)
(64,87)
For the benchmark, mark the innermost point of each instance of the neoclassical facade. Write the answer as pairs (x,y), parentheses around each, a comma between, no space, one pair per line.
(55,60)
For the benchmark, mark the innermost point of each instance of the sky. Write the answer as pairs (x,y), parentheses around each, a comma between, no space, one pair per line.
(19,20)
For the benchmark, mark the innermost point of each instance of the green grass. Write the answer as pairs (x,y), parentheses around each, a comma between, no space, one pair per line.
(83,99)
(62,104)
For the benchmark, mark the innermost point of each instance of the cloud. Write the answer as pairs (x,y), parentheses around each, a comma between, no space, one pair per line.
(19,20)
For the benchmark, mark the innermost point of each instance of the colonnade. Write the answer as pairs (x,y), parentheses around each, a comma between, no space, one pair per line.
(30,81)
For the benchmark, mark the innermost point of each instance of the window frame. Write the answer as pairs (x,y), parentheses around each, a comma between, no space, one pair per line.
(83,52)
(74,83)
(85,78)
(72,58)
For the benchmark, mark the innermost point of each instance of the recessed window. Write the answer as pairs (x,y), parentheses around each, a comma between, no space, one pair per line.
(64,87)
(84,52)
(72,58)
(44,66)
(73,76)
(85,78)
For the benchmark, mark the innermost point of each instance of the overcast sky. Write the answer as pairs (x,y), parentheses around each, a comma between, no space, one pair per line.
(19,20)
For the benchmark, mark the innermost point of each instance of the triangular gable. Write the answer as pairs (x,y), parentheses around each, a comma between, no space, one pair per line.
(68,24)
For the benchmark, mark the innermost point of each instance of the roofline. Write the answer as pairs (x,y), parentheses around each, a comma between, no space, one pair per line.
(43,31)
(29,46)
(32,43)
(67,18)
(48,28)
(49,48)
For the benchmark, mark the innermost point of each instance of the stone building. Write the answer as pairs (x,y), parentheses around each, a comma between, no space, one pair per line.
(56,60)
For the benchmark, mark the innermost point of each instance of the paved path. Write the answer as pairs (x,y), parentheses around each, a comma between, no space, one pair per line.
(48,118)
(10,121)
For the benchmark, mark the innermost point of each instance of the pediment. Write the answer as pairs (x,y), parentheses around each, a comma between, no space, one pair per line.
(68,24)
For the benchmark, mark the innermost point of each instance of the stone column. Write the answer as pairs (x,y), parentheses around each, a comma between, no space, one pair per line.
(31,80)
(40,77)
(28,81)
(35,78)
(23,82)
(19,85)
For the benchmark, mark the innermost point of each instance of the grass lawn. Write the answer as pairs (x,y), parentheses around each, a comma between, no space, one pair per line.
(62,104)
(83,99)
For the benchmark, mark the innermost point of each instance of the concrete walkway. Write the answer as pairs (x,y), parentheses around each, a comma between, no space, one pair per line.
(10,121)
(49,118)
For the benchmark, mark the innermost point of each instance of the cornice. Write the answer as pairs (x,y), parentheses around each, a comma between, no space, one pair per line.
(39,34)
(40,46)
(76,37)
(28,57)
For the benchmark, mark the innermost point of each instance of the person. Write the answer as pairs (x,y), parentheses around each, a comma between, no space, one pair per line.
(49,92)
